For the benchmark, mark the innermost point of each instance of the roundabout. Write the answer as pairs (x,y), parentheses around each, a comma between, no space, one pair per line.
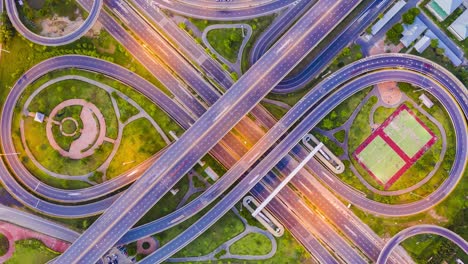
(91,135)
(13,14)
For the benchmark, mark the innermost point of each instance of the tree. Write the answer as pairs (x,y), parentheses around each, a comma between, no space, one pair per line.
(394,33)
(434,43)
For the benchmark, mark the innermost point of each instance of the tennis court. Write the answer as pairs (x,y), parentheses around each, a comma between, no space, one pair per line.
(380,159)
(409,134)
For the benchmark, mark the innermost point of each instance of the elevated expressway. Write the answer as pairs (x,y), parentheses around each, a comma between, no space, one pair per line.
(382,62)
(228,11)
(318,64)
(275,155)
(202,136)
(417,230)
(10,6)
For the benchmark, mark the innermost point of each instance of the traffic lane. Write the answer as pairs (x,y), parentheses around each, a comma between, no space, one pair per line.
(236,99)
(446,187)
(13,14)
(417,230)
(278,27)
(296,227)
(322,230)
(203,13)
(331,51)
(190,48)
(188,101)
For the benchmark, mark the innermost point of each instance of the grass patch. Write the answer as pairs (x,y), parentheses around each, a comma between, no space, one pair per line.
(276,111)
(381,114)
(69,126)
(61,91)
(251,244)
(25,54)
(126,109)
(258,25)
(450,213)
(140,140)
(30,251)
(340,135)
(224,229)
(226,42)
(360,128)
(331,145)
(167,204)
(32,13)
(4,245)
(36,139)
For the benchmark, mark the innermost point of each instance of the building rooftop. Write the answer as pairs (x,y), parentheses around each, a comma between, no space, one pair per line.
(447,51)
(460,26)
(412,32)
(448,5)
(422,44)
(39,117)
(387,16)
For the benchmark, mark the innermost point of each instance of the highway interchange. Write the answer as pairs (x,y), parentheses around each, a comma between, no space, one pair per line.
(336,87)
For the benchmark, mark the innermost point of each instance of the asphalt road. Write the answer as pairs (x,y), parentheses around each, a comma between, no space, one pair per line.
(48,41)
(285,146)
(220,12)
(202,136)
(328,54)
(417,230)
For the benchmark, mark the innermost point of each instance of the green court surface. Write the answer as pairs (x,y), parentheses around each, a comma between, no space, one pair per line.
(381,159)
(407,133)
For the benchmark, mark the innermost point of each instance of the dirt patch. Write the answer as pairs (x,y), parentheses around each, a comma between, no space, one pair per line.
(147,245)
(95,30)
(59,26)
(380,47)
(389,93)
(437,217)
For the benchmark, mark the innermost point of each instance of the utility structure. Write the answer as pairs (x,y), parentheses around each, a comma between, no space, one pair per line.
(287,179)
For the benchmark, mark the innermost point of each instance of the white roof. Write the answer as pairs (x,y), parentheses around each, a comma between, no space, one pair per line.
(412,32)
(388,15)
(39,117)
(460,26)
(426,101)
(422,44)
(449,5)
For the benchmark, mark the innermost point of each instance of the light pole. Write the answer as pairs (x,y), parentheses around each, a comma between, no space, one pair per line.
(9,154)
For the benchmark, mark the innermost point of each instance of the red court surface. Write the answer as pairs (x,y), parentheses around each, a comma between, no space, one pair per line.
(408,161)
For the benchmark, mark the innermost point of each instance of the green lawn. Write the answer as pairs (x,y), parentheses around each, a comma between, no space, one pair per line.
(32,13)
(360,129)
(340,135)
(381,159)
(74,112)
(224,229)
(61,91)
(331,145)
(407,133)
(258,25)
(24,54)
(167,204)
(126,109)
(226,42)
(31,251)
(140,141)
(252,244)
(276,111)
(51,159)
(381,114)
(3,245)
